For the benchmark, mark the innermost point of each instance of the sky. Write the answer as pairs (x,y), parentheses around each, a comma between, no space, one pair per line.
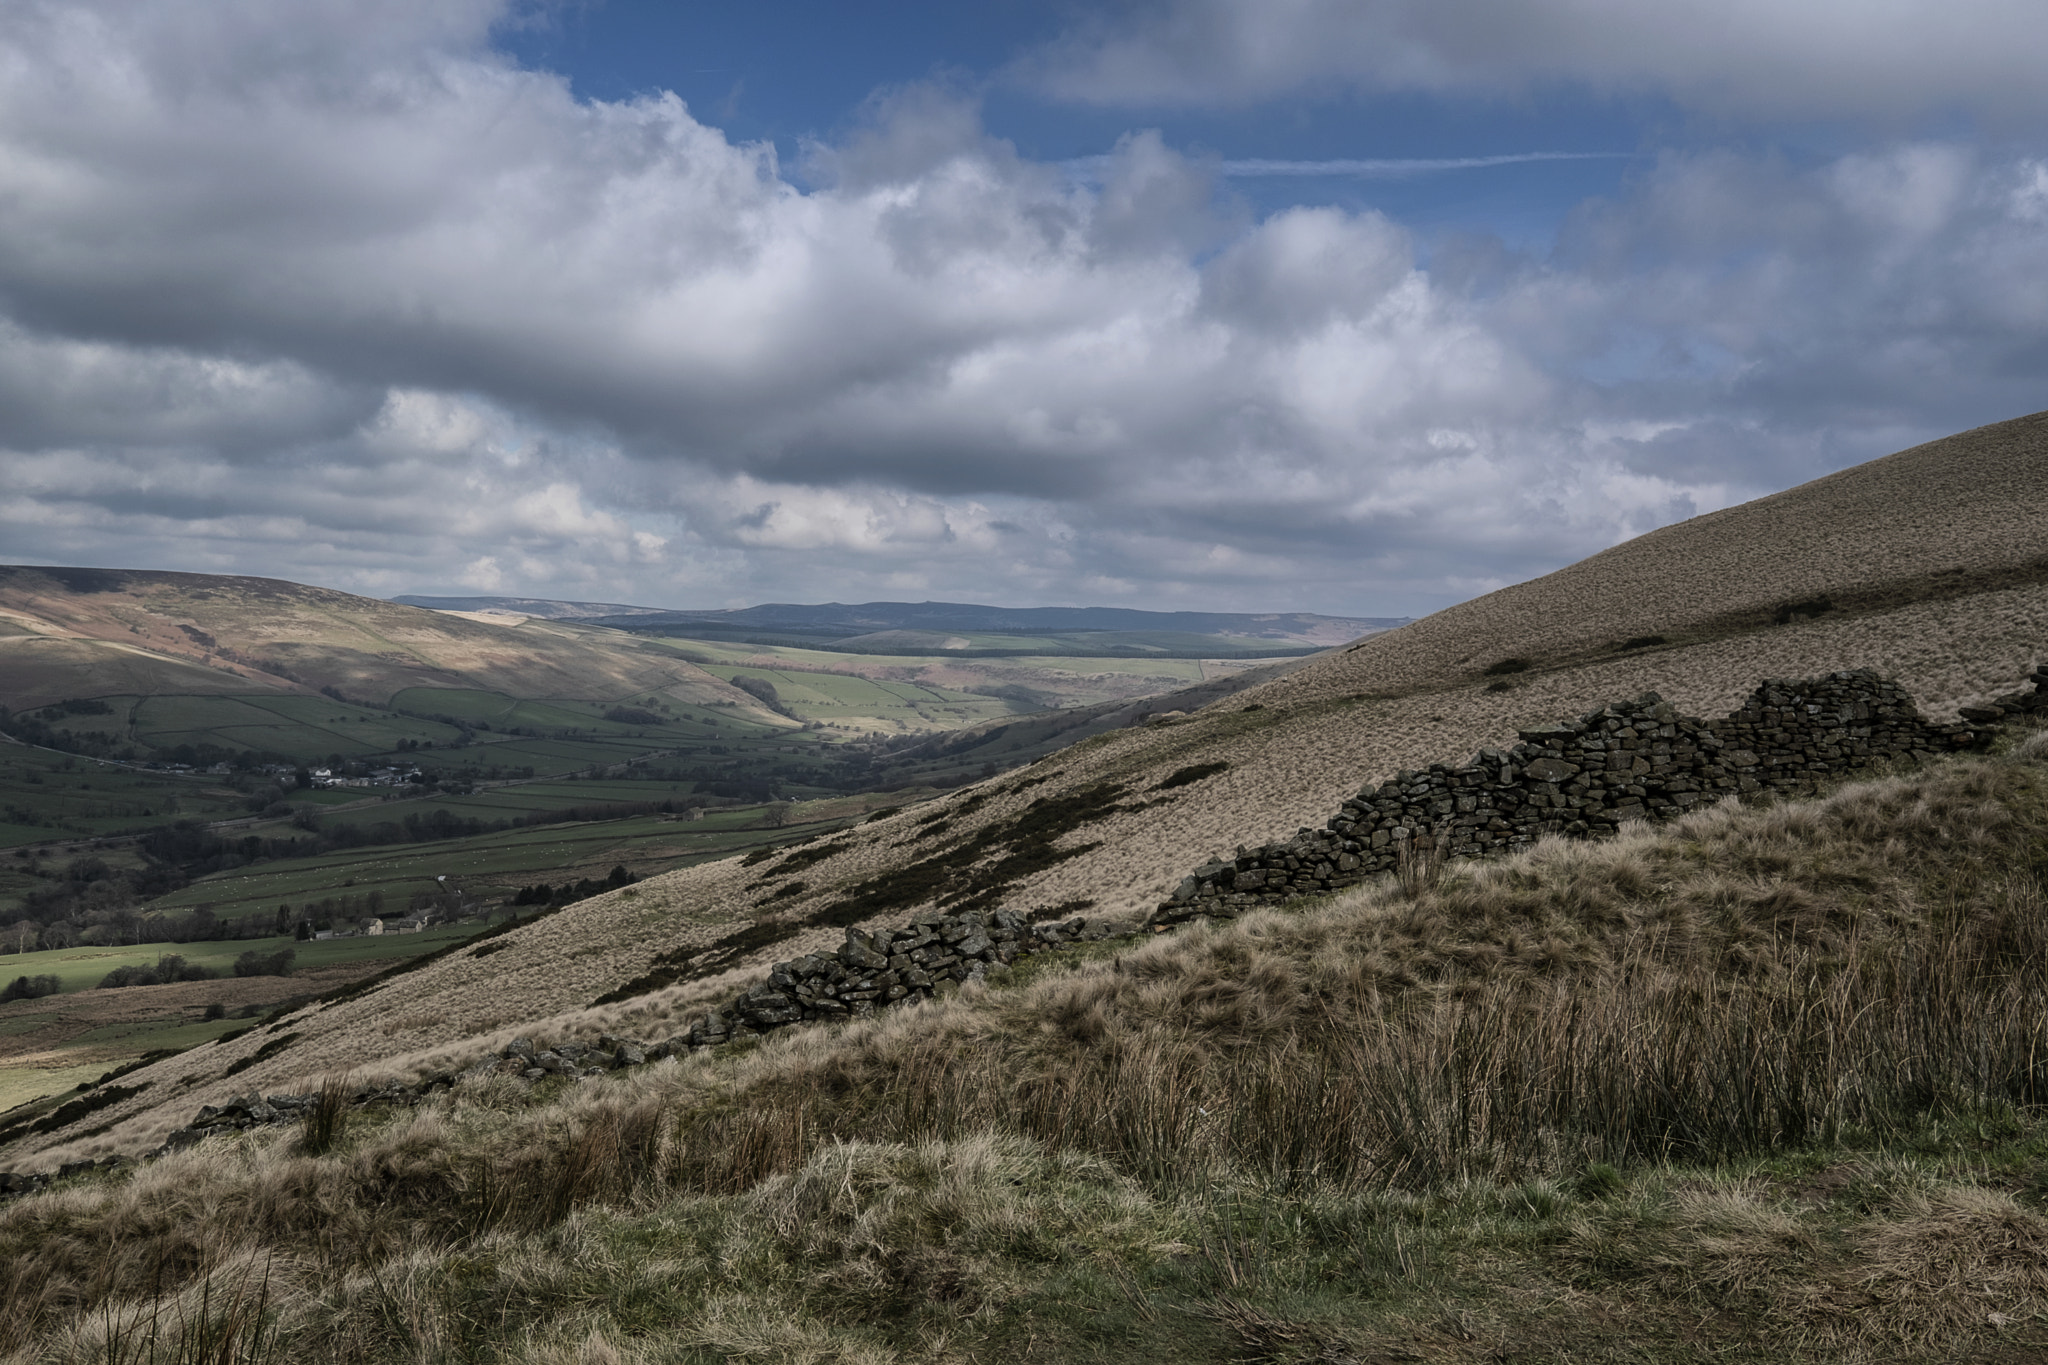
(1351,306)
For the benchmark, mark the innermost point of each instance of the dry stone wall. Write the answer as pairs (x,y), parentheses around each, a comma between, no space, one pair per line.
(931,955)
(1634,760)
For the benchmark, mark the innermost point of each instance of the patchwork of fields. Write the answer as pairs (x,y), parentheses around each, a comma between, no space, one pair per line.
(135,816)
(50,1044)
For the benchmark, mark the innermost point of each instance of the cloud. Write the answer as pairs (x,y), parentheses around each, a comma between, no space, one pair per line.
(1746,59)
(282,295)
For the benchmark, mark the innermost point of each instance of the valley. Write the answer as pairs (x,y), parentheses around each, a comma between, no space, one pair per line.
(186,820)
(1755,1080)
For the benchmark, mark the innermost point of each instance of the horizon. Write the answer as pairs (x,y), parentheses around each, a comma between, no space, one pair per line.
(1347,309)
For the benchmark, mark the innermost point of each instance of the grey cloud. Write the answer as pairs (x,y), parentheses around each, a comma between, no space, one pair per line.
(1745,59)
(418,308)
(58,392)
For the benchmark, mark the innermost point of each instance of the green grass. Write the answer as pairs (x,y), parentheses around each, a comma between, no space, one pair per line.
(486,866)
(303,729)
(153,1035)
(82,968)
(45,797)
(23,1084)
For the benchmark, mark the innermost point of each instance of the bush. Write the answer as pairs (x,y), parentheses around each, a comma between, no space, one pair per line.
(170,967)
(30,988)
(256,963)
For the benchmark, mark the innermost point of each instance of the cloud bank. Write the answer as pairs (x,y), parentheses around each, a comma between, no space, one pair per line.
(336,292)
(1746,59)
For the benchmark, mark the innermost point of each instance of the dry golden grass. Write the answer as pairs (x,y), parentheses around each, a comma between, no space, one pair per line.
(1955,517)
(1403,699)
(1417,1092)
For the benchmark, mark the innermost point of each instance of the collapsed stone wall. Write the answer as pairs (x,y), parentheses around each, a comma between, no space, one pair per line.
(1635,760)
(933,954)
(1630,760)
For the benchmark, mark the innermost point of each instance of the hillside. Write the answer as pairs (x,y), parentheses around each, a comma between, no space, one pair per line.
(1296,746)
(1760,1083)
(80,633)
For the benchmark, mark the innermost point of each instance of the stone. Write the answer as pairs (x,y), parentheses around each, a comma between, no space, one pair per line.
(859,953)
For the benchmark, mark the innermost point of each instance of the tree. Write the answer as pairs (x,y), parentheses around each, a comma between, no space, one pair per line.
(776,815)
(254,963)
(31,988)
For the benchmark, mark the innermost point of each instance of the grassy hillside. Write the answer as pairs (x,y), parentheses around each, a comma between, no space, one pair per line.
(1295,748)
(1758,1085)
(1761,1085)
(98,632)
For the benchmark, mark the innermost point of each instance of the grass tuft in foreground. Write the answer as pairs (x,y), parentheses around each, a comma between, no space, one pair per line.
(1763,1085)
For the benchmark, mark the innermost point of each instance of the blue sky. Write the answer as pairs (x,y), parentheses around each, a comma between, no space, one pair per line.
(1161,303)
(794,72)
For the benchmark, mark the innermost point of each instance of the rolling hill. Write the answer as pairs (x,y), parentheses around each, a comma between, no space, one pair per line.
(1761,1083)
(1931,563)
(939,626)
(81,633)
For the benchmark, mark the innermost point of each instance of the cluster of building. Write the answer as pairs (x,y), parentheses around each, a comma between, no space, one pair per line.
(380,777)
(374,926)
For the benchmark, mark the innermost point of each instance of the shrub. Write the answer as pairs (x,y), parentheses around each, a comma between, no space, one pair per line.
(169,968)
(30,988)
(326,1123)
(257,963)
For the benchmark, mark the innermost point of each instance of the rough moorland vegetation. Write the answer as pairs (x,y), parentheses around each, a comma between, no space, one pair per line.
(1764,1083)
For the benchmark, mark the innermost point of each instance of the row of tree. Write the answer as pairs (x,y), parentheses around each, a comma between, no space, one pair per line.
(173,967)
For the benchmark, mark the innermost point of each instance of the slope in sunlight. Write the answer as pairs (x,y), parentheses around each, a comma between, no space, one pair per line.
(68,633)
(1930,563)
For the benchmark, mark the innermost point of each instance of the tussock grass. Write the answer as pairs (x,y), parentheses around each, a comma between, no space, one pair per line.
(1785,1062)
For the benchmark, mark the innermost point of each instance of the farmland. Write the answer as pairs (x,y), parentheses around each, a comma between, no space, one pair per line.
(50,1044)
(487,868)
(293,757)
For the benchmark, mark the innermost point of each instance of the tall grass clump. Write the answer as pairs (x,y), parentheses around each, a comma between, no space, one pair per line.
(325,1125)
(1839,974)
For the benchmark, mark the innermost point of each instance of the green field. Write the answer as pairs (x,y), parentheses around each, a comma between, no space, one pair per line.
(303,729)
(82,969)
(459,726)
(489,867)
(45,797)
(79,1034)
(713,654)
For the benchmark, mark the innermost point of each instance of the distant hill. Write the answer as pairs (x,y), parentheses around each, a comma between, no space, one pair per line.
(545,608)
(81,633)
(835,621)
